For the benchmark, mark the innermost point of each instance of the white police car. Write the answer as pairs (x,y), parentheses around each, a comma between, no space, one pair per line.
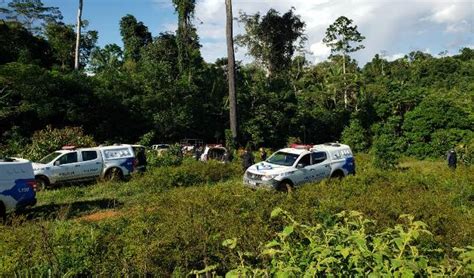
(289,167)
(72,165)
(17,185)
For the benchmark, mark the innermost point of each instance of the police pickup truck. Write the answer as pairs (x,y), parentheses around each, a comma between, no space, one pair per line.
(17,185)
(289,167)
(71,165)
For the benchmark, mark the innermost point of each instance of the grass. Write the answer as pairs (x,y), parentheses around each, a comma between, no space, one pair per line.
(173,220)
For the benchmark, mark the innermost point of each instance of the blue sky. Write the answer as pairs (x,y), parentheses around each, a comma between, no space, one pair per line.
(391,27)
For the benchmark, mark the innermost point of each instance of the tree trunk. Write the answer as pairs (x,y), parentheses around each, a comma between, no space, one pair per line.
(231,70)
(344,76)
(78,35)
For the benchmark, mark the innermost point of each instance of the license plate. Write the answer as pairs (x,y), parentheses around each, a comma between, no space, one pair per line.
(253,182)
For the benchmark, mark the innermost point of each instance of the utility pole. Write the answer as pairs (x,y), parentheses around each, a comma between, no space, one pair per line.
(78,35)
(231,71)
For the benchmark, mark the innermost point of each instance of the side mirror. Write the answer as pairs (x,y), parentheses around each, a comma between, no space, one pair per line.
(300,165)
(57,163)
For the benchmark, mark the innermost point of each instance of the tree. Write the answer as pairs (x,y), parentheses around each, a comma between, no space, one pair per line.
(187,39)
(135,35)
(231,71)
(30,11)
(272,39)
(18,44)
(343,38)
(108,58)
(78,36)
(62,39)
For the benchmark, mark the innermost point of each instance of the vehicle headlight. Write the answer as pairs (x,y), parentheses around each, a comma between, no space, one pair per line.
(268,177)
(285,174)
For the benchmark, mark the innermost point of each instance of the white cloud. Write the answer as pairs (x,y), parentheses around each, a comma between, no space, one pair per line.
(320,51)
(394,57)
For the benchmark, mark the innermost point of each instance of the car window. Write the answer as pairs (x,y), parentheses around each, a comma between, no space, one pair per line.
(68,158)
(89,155)
(319,157)
(50,157)
(305,160)
(282,158)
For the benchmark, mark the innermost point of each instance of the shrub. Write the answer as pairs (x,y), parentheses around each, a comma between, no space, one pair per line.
(348,248)
(49,140)
(164,158)
(435,118)
(355,136)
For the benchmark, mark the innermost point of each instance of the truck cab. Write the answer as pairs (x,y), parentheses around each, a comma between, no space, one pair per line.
(293,166)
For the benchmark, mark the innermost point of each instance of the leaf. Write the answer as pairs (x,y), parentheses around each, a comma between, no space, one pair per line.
(276,212)
(345,252)
(230,243)
(288,230)
(272,243)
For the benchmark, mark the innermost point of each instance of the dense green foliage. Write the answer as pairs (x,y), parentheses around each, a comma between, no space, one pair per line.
(349,248)
(175,219)
(162,86)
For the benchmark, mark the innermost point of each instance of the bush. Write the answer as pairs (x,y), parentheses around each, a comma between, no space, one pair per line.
(355,136)
(49,140)
(348,248)
(164,158)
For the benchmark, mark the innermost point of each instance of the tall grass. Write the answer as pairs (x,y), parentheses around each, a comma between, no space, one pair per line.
(174,220)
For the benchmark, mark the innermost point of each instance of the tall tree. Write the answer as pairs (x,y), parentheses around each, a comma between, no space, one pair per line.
(135,35)
(186,37)
(62,39)
(78,35)
(231,71)
(272,39)
(343,39)
(30,11)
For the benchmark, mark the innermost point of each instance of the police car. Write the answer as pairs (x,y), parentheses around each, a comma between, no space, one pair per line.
(72,165)
(17,185)
(299,164)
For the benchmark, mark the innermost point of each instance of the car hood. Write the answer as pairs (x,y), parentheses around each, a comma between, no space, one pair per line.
(265,168)
(38,166)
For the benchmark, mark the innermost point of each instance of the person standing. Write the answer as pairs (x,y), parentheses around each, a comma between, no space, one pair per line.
(452,159)
(263,154)
(247,159)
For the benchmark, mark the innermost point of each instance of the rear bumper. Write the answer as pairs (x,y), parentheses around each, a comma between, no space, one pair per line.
(26,203)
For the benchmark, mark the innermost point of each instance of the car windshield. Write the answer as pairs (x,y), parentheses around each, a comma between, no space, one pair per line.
(50,157)
(282,158)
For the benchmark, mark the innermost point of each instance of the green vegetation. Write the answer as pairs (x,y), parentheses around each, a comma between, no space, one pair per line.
(159,85)
(175,219)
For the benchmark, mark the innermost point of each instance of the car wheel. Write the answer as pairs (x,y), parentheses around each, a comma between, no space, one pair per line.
(3,213)
(285,186)
(114,174)
(41,183)
(337,175)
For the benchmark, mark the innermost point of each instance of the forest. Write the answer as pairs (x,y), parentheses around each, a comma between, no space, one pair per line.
(158,88)
(404,214)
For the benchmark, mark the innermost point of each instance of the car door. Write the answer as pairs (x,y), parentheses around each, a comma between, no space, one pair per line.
(91,165)
(303,173)
(321,165)
(66,167)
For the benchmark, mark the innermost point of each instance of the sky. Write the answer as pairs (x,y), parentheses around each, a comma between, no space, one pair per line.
(392,28)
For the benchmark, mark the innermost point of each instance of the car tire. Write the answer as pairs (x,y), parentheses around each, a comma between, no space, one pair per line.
(3,213)
(113,174)
(285,186)
(42,183)
(338,174)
